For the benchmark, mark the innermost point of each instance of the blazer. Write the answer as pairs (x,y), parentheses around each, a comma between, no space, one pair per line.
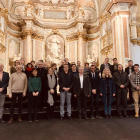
(127,70)
(112,69)
(95,82)
(97,71)
(77,85)
(102,67)
(42,73)
(118,82)
(4,83)
(61,81)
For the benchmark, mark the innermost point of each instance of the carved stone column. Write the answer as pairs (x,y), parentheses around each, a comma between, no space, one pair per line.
(29,50)
(120,12)
(80,48)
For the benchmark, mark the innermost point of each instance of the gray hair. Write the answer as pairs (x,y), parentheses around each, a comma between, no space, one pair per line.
(80,67)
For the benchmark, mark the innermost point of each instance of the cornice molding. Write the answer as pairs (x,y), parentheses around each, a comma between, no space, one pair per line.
(132,2)
(136,41)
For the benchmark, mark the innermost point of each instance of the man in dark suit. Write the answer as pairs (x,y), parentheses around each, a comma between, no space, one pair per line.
(95,84)
(65,83)
(122,82)
(4,80)
(106,64)
(114,66)
(42,73)
(82,90)
(129,70)
(97,71)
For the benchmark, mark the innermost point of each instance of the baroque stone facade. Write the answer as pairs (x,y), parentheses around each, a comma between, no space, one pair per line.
(83,30)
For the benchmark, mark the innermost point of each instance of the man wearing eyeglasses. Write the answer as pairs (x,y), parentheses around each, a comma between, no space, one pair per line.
(95,84)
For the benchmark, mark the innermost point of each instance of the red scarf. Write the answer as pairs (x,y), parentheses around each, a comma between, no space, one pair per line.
(29,69)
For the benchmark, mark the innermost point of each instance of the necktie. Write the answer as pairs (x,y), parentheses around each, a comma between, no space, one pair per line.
(93,75)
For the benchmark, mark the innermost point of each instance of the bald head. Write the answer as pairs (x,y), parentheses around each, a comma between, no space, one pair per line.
(1,67)
(19,68)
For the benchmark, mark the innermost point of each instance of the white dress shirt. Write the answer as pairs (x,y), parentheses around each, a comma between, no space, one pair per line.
(93,74)
(81,80)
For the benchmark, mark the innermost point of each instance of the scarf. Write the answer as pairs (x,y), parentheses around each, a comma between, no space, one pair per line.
(29,69)
(51,84)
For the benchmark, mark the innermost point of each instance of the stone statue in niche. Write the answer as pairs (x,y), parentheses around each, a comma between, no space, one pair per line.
(89,60)
(54,46)
(94,58)
(55,60)
(54,49)
(17,57)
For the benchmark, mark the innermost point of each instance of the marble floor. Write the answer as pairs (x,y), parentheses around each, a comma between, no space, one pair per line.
(98,129)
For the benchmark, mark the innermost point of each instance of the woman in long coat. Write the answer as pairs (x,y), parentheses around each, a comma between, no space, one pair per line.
(107,91)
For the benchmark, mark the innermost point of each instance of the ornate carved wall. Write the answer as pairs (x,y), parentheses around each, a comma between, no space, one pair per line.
(78,29)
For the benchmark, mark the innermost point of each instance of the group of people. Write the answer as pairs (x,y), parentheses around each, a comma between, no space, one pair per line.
(38,83)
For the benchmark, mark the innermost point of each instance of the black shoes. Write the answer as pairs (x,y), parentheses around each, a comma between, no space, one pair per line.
(61,118)
(79,117)
(98,116)
(30,121)
(125,115)
(92,117)
(69,117)
(106,116)
(85,117)
(2,121)
(35,119)
(120,115)
(109,115)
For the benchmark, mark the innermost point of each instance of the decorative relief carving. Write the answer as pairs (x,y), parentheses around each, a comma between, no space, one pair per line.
(138,31)
(55,2)
(2,37)
(33,34)
(2,48)
(70,39)
(106,50)
(135,41)
(104,18)
(70,14)
(39,11)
